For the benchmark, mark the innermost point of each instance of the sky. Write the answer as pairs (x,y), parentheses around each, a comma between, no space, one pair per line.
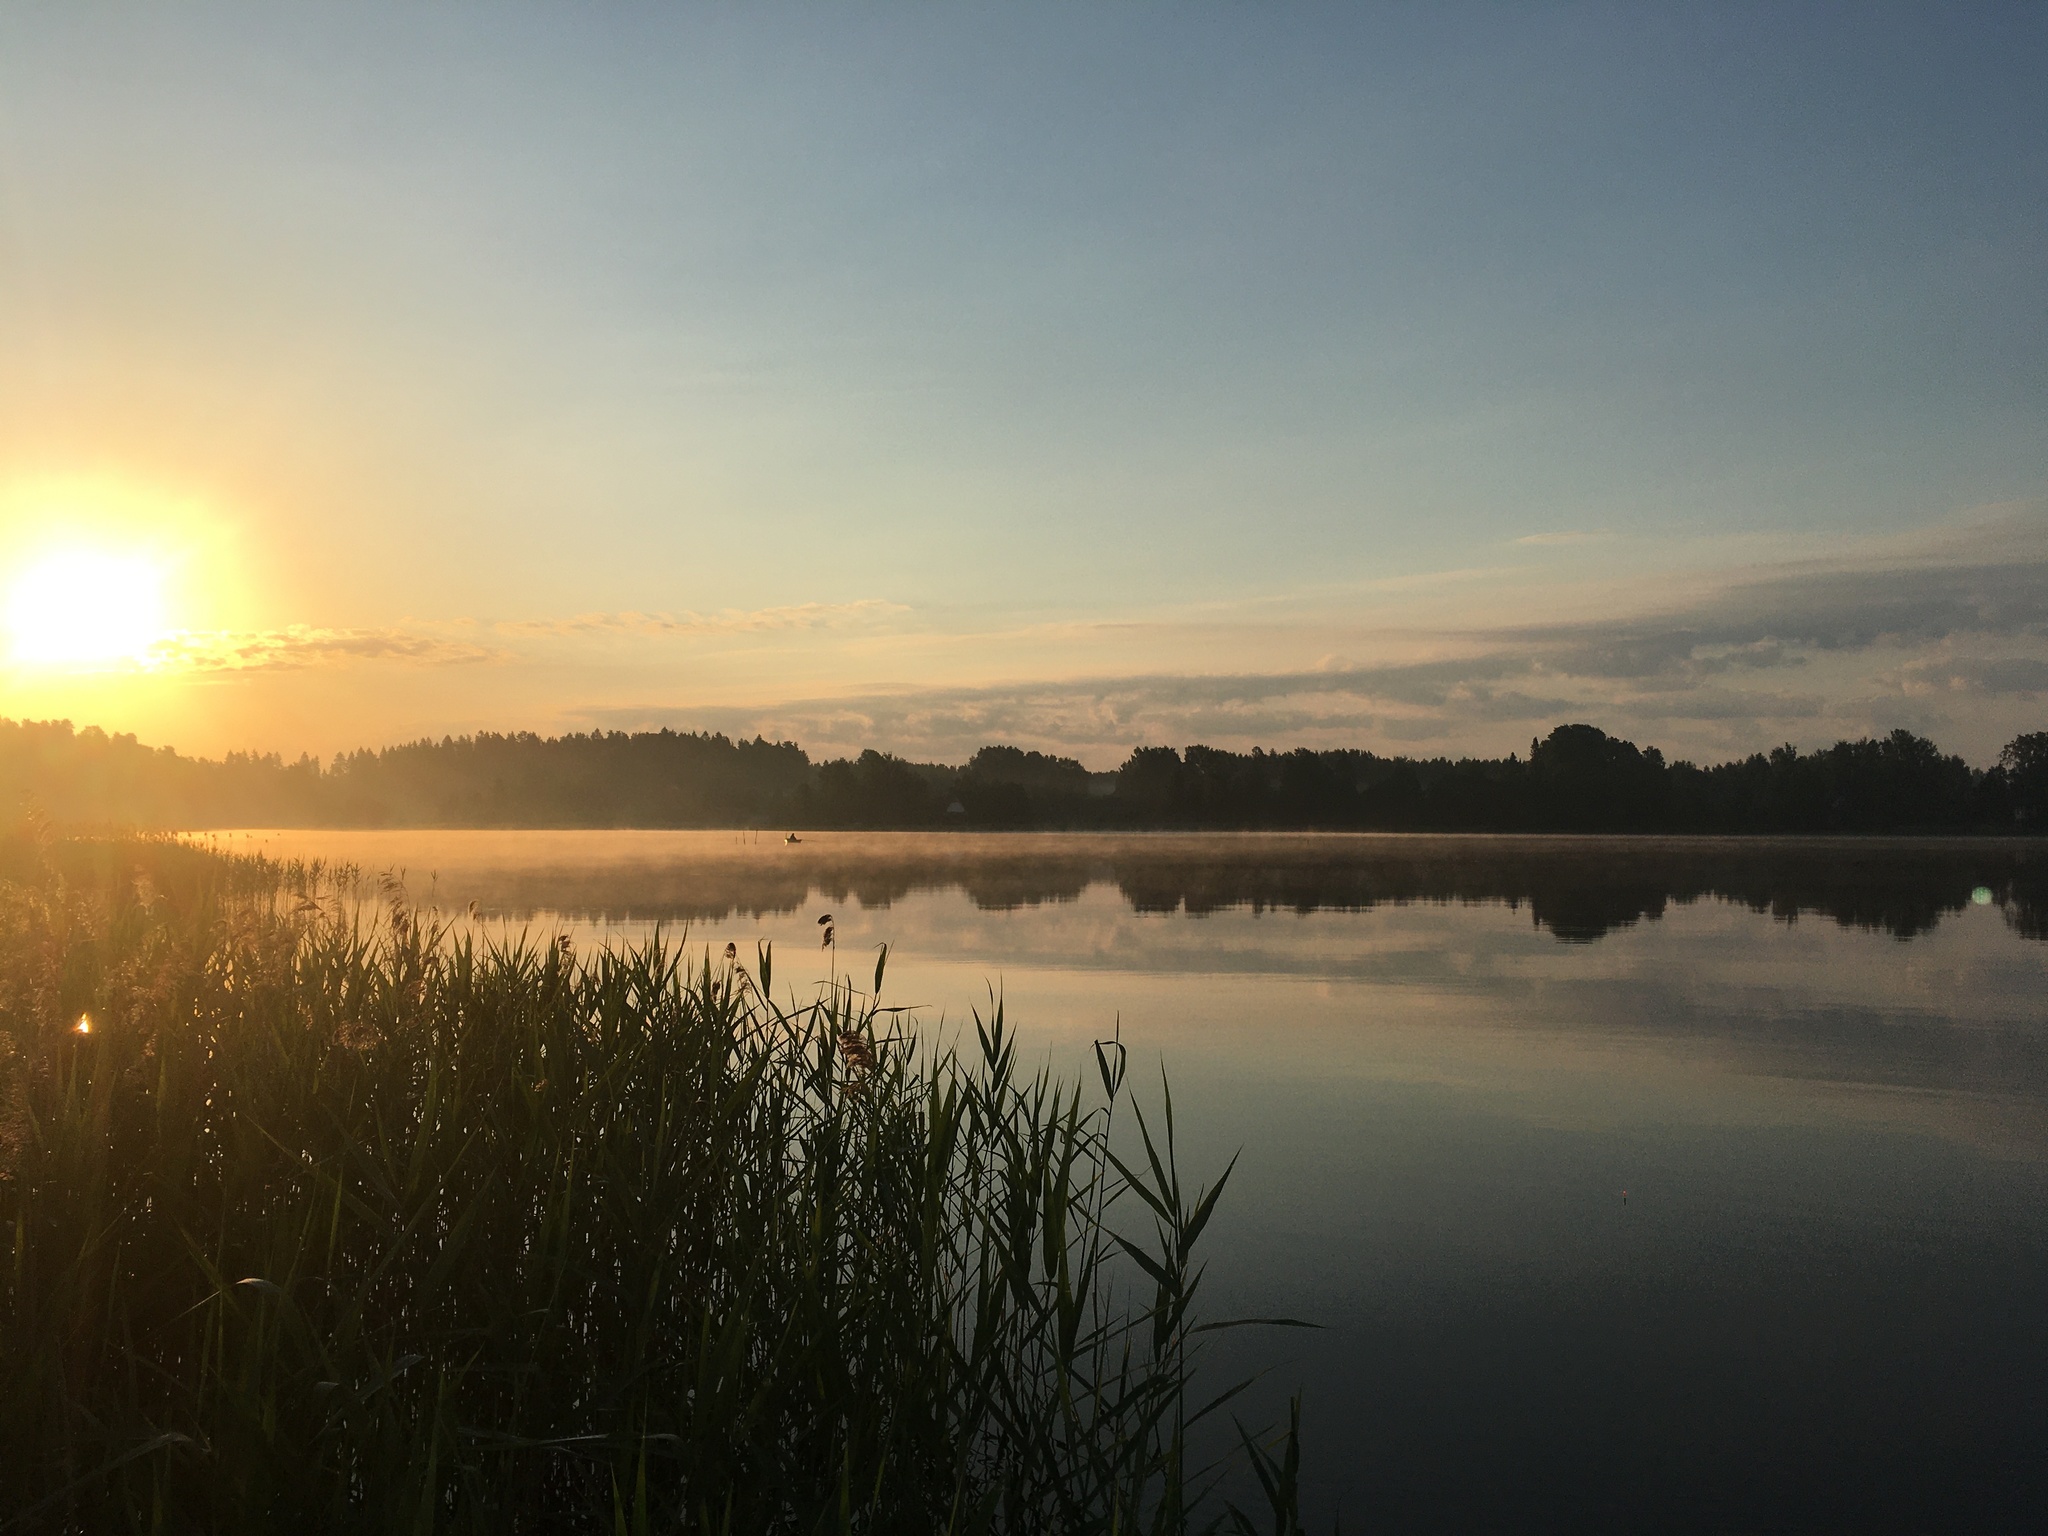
(1082,377)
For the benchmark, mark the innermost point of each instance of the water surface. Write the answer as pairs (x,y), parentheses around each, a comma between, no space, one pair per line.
(1687,1184)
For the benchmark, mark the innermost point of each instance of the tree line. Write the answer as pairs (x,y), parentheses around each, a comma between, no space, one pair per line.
(1578,778)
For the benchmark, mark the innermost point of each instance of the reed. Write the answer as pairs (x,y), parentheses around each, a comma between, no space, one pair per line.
(323,1216)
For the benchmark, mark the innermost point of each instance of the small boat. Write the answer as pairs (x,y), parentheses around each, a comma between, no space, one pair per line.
(792,838)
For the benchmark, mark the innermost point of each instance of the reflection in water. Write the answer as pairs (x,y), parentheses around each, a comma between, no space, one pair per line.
(1578,889)
(1824,1304)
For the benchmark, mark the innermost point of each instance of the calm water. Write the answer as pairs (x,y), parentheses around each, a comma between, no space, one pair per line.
(1818,1071)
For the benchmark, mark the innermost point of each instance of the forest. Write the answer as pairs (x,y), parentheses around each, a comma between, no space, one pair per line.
(1578,778)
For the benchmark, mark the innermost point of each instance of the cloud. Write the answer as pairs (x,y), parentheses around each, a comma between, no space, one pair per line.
(1784,620)
(1956,647)
(797,616)
(1992,676)
(301,646)
(1561,536)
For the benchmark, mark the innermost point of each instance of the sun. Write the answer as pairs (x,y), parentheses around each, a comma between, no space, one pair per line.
(86,607)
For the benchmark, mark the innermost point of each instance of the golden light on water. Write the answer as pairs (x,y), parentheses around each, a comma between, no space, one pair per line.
(84,1024)
(85,607)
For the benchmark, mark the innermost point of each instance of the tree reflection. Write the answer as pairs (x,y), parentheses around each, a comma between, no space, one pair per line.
(1576,889)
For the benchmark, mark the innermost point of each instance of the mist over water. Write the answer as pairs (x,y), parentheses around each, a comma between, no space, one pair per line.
(1677,1183)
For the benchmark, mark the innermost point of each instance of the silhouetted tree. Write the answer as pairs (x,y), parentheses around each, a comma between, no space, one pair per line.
(1148,786)
(1393,800)
(1583,780)
(1002,786)
(1578,778)
(2025,765)
(876,790)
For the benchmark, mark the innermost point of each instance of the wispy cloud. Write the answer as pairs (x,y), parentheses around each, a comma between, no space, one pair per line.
(730,621)
(303,646)
(1562,536)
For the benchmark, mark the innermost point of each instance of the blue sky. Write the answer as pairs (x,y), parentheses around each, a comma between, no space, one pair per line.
(1078,376)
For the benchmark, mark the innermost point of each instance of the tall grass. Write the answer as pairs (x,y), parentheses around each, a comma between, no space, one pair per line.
(319,1216)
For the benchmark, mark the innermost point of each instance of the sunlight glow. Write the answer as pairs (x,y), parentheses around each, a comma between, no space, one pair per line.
(85,607)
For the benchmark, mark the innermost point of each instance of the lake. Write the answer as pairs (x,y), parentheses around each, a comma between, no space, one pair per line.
(1635,1183)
